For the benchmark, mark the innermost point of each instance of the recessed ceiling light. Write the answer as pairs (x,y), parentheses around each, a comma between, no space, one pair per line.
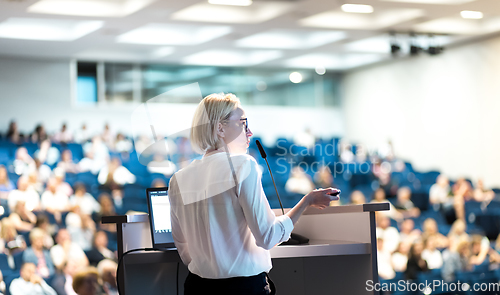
(47,29)
(471,14)
(173,34)
(231,2)
(162,51)
(104,8)
(295,77)
(290,39)
(320,70)
(357,8)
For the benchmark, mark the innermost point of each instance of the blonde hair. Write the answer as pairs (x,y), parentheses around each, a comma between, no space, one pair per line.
(79,277)
(213,109)
(36,233)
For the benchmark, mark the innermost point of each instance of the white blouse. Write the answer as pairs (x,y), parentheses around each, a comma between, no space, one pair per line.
(222,223)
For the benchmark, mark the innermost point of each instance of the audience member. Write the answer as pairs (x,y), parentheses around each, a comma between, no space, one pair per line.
(480,247)
(416,263)
(430,228)
(64,135)
(39,134)
(43,223)
(122,144)
(440,193)
(357,198)
(85,282)
(299,182)
(55,201)
(100,249)
(107,209)
(66,251)
(455,260)
(323,177)
(86,203)
(11,241)
(161,165)
(82,135)
(114,175)
(13,134)
(385,270)
(23,163)
(399,259)
(89,164)
(481,194)
(30,283)
(457,234)
(24,193)
(408,233)
(48,154)
(389,234)
(67,164)
(107,273)
(404,204)
(62,185)
(6,185)
(23,219)
(379,197)
(38,255)
(431,254)
(81,228)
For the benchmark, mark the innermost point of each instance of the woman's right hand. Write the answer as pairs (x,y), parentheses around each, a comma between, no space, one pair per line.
(321,198)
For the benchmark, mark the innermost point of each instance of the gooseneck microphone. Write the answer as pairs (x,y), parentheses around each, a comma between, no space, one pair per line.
(264,156)
(295,239)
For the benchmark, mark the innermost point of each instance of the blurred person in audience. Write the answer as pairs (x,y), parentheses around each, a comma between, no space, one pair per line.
(382,171)
(440,193)
(62,185)
(462,192)
(480,248)
(100,249)
(62,281)
(346,154)
(39,134)
(114,175)
(386,151)
(416,263)
(385,270)
(389,234)
(430,228)
(66,251)
(67,163)
(85,201)
(11,241)
(34,183)
(64,135)
(3,286)
(30,283)
(399,259)
(408,233)
(357,198)
(23,219)
(99,150)
(43,223)
(23,162)
(161,165)
(89,164)
(404,204)
(122,144)
(107,209)
(82,135)
(158,182)
(361,153)
(305,138)
(86,281)
(55,201)
(107,272)
(108,136)
(323,177)
(81,229)
(142,143)
(184,147)
(43,171)
(6,185)
(431,254)
(494,254)
(48,154)
(299,182)
(457,233)
(24,193)
(379,197)
(481,194)
(455,260)
(38,255)
(13,134)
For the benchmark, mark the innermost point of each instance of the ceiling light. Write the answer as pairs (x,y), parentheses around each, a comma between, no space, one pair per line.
(320,70)
(290,39)
(231,2)
(295,77)
(357,8)
(47,29)
(471,14)
(333,61)
(173,34)
(163,51)
(104,8)
(445,2)
(232,57)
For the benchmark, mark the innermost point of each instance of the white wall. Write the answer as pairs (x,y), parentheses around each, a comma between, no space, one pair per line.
(34,91)
(441,112)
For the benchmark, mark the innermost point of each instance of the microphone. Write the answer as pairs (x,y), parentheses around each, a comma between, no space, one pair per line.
(295,239)
(264,156)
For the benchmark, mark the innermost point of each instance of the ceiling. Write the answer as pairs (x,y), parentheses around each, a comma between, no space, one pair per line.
(284,34)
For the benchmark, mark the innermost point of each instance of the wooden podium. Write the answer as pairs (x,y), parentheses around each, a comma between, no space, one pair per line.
(339,259)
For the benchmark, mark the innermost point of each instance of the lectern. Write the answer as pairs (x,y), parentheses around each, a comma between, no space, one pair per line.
(340,257)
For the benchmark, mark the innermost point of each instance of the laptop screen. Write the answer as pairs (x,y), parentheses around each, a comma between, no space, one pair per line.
(159,217)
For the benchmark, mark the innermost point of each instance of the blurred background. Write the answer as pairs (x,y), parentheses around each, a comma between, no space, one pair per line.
(388,100)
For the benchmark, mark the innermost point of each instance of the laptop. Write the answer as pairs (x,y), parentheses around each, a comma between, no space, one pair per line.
(159,218)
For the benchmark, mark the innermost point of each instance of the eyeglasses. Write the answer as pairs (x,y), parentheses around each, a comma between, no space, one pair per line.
(245,124)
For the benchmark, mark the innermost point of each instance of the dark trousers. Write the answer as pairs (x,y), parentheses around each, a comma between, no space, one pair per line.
(255,285)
